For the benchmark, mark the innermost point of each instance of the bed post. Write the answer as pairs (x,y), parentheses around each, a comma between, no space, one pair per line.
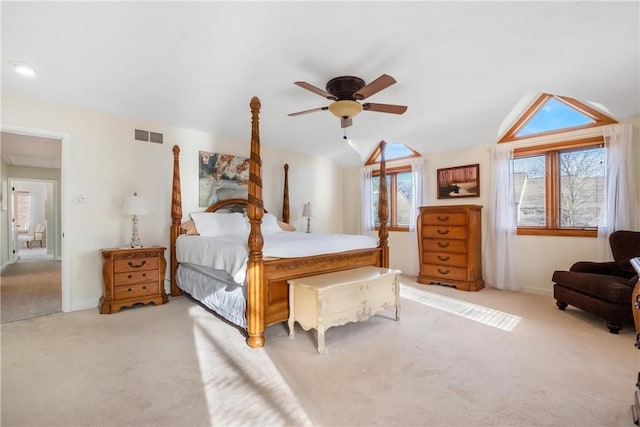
(176,218)
(285,195)
(383,210)
(255,277)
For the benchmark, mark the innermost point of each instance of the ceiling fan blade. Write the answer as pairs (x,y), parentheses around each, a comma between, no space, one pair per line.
(384,108)
(382,82)
(299,113)
(345,123)
(315,90)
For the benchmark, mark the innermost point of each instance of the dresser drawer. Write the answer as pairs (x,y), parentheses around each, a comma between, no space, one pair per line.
(135,291)
(121,279)
(444,219)
(445,259)
(133,264)
(444,232)
(444,272)
(442,245)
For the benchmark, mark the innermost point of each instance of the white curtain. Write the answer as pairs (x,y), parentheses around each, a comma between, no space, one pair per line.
(620,203)
(366,191)
(500,254)
(417,180)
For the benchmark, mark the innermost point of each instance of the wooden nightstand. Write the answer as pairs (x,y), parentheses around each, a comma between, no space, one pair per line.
(132,276)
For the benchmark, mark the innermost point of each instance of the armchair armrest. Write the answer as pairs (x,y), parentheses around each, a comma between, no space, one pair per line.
(594,267)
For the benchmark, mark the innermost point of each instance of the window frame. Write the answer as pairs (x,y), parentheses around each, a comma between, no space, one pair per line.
(599,118)
(551,152)
(392,174)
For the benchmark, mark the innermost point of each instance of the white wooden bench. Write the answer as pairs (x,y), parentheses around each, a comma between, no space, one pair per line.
(333,299)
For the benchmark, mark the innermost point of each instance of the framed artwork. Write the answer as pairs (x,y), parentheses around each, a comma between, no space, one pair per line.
(459,181)
(222,177)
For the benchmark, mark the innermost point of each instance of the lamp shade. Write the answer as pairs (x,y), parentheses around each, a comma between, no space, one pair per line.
(134,205)
(345,109)
(306,210)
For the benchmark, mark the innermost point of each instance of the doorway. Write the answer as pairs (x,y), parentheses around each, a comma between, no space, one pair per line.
(34,163)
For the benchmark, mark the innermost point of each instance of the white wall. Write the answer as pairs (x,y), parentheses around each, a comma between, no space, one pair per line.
(107,165)
(538,256)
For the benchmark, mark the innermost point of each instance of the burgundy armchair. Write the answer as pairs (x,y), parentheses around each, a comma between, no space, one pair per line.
(602,288)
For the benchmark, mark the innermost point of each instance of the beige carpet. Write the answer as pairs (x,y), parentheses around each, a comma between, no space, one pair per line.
(30,289)
(491,358)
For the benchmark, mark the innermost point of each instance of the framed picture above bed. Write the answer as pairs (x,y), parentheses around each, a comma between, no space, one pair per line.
(459,181)
(221,177)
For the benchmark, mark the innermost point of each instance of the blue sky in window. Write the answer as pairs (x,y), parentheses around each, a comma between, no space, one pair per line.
(395,151)
(554,115)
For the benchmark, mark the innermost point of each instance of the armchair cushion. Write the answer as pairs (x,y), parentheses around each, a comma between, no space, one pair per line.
(611,268)
(614,289)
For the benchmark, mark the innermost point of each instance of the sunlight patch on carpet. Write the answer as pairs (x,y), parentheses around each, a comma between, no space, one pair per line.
(485,315)
(242,386)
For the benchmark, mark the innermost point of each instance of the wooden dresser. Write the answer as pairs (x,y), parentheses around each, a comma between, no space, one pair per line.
(132,276)
(449,246)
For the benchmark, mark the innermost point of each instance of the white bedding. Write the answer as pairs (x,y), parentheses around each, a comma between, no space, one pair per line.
(231,253)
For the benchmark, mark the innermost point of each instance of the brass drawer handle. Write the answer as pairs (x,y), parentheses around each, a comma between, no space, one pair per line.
(443,272)
(144,287)
(443,244)
(144,274)
(443,258)
(144,261)
(129,290)
(446,218)
(129,276)
(443,231)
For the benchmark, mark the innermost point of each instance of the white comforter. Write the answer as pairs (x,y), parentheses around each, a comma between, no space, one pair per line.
(231,253)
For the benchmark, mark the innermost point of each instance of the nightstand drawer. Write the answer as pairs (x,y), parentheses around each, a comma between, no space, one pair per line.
(134,291)
(133,264)
(132,277)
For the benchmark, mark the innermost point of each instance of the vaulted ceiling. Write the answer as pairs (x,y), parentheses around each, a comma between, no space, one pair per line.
(460,66)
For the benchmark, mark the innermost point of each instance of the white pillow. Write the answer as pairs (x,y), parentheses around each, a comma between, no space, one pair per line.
(218,224)
(270,224)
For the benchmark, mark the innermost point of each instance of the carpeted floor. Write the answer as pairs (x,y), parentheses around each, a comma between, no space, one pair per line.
(488,358)
(30,289)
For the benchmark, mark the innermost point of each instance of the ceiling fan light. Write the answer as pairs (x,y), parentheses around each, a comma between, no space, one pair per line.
(345,109)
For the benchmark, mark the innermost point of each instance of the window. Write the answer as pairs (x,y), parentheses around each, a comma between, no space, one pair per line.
(22,208)
(559,187)
(552,114)
(399,195)
(400,191)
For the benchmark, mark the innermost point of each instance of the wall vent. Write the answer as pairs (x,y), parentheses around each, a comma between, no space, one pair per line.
(145,135)
(155,137)
(141,135)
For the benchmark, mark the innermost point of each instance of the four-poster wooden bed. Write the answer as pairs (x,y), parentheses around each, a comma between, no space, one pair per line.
(266,277)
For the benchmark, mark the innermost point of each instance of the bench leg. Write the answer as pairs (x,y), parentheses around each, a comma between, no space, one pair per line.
(321,348)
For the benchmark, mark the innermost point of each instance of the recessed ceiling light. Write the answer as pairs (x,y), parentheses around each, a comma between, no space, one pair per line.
(23,68)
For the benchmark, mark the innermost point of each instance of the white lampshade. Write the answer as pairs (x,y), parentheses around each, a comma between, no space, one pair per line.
(306,210)
(134,205)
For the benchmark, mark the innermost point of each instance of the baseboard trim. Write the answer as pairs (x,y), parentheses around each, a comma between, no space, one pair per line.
(5,265)
(84,305)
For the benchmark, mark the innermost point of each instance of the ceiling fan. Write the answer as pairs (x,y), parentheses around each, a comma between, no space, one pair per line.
(346,91)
